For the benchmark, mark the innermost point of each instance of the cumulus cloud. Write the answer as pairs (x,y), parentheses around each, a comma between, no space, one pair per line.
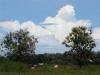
(9,25)
(31,26)
(96,33)
(96,36)
(63,22)
(53,29)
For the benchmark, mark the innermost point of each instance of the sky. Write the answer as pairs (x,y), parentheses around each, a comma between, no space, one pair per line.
(50,20)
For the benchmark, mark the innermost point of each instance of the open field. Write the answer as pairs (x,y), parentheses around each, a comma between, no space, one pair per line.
(90,70)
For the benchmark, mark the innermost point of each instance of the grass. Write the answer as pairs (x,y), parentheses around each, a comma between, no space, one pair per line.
(67,70)
(10,66)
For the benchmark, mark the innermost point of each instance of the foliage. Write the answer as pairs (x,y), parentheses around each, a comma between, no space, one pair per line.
(57,58)
(19,45)
(81,44)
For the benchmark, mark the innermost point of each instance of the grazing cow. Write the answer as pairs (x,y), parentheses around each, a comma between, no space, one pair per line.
(32,67)
(41,64)
(56,66)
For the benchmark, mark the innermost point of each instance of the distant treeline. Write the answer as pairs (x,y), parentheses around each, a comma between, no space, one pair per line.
(58,58)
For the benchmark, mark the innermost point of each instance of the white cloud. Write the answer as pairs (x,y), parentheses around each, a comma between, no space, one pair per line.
(54,29)
(66,13)
(1,34)
(96,33)
(96,36)
(15,25)
(63,22)
(9,25)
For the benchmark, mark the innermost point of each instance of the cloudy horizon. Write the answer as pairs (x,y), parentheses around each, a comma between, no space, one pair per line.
(53,29)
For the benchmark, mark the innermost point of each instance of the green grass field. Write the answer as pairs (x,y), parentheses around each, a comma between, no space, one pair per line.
(62,70)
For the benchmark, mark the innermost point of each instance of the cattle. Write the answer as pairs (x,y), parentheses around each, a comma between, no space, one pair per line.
(56,66)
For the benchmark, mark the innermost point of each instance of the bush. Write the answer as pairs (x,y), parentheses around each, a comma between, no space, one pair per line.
(59,61)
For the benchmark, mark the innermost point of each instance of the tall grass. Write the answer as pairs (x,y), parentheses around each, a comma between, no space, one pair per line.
(90,70)
(17,68)
(10,66)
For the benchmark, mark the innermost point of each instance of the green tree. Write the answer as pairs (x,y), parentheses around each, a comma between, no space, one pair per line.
(81,44)
(19,44)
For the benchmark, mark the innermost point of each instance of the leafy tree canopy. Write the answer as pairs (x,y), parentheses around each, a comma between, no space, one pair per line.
(19,44)
(81,44)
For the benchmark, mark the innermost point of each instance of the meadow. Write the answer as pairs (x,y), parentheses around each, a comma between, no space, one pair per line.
(61,70)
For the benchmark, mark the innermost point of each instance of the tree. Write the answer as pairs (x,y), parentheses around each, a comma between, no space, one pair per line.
(19,44)
(97,58)
(81,44)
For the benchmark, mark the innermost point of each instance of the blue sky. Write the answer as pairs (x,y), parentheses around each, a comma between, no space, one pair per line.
(30,13)
(38,10)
